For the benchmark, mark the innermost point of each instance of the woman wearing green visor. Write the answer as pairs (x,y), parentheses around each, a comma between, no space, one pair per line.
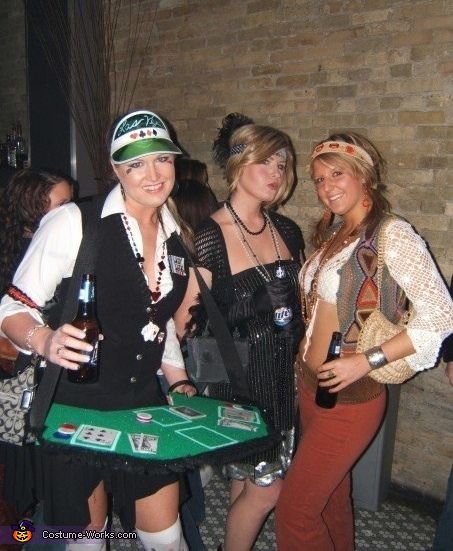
(142,275)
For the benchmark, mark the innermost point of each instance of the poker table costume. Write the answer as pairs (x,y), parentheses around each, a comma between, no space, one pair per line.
(63,481)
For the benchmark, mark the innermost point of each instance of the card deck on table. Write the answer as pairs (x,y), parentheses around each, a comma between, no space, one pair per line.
(237,414)
(187,412)
(96,437)
(234,424)
(143,443)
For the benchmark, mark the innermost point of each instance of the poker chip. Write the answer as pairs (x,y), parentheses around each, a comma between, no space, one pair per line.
(62,435)
(66,429)
(144,417)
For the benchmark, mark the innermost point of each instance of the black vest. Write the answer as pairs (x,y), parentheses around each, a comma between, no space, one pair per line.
(128,363)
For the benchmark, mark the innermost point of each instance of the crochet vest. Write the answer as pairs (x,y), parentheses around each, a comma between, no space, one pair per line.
(356,298)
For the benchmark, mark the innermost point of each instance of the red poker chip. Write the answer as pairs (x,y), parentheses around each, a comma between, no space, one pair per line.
(66,428)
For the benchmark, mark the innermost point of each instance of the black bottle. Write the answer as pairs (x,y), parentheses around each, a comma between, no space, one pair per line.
(324,398)
(86,319)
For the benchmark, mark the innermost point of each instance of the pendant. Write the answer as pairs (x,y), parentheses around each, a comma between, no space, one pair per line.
(155,295)
(150,331)
(280,272)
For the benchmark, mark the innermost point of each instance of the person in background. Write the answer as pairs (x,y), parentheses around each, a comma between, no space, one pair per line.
(250,257)
(136,281)
(28,197)
(443,540)
(30,194)
(195,201)
(338,287)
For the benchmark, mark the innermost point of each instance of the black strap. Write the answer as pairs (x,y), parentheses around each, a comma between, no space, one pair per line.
(84,264)
(225,341)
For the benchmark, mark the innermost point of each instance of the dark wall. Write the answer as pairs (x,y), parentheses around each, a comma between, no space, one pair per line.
(48,110)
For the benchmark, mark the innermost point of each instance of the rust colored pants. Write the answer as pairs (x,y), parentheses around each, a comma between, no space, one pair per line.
(314,511)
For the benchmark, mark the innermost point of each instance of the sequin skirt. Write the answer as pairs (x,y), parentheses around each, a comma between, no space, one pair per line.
(265,473)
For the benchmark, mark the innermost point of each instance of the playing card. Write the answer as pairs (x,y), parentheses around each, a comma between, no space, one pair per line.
(99,437)
(143,443)
(238,414)
(233,424)
(187,412)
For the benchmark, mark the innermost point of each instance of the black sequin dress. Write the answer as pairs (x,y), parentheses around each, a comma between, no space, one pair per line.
(270,371)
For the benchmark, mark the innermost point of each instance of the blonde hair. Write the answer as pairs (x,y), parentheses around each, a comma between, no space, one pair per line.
(261,142)
(372,176)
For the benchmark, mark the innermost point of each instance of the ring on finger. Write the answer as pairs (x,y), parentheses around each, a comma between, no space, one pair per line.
(331,374)
(59,349)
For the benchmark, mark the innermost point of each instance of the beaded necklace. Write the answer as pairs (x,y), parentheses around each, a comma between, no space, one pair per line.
(155,295)
(242,224)
(328,250)
(260,268)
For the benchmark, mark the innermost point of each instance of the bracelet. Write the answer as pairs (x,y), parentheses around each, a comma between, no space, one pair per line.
(376,357)
(30,334)
(180,383)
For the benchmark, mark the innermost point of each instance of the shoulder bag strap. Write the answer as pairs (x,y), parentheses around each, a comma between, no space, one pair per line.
(225,341)
(84,264)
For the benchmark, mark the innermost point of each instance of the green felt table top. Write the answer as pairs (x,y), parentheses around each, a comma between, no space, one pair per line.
(177,436)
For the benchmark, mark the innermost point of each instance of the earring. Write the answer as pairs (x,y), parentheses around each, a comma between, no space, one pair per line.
(123,194)
(366,203)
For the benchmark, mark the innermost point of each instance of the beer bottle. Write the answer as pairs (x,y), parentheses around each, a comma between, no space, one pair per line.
(324,398)
(85,319)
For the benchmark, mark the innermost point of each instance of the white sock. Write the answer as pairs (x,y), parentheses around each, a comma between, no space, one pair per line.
(170,539)
(87,544)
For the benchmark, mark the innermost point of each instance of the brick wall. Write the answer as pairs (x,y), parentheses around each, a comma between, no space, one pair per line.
(382,67)
(13,88)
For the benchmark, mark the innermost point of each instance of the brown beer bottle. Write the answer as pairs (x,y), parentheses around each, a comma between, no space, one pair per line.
(324,398)
(85,319)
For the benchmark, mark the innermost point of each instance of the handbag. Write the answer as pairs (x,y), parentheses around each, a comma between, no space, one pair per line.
(218,358)
(377,328)
(204,362)
(16,397)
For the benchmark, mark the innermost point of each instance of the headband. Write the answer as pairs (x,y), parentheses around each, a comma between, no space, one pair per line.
(240,148)
(342,147)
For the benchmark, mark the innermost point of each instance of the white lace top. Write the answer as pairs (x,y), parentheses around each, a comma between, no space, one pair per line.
(412,267)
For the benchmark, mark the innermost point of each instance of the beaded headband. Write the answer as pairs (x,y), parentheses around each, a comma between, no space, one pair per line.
(342,147)
(240,147)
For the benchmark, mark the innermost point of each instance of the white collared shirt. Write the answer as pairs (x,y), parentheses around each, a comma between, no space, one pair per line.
(53,251)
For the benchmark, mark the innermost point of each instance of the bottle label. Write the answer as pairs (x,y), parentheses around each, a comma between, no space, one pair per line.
(86,293)
(282,316)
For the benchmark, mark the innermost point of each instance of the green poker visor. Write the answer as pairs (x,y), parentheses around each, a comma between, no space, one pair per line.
(138,134)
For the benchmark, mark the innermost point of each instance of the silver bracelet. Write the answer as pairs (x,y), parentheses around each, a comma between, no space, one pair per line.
(29,336)
(376,357)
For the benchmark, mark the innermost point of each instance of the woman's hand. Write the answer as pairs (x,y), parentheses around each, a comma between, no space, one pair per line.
(65,346)
(176,375)
(340,373)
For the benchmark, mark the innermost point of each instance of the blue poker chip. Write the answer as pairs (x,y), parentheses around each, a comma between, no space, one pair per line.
(62,435)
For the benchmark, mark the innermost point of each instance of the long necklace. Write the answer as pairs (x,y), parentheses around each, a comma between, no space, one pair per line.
(242,224)
(155,295)
(328,250)
(258,265)
(151,330)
